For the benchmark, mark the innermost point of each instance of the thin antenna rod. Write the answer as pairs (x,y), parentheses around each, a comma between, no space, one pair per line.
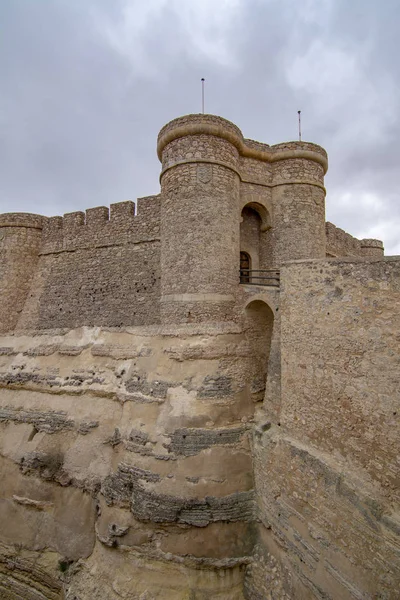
(202,94)
(299,113)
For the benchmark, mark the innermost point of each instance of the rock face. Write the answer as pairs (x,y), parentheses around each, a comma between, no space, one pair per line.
(145,459)
(172,428)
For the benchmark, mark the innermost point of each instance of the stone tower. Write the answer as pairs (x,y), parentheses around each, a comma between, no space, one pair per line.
(210,174)
(222,196)
(200,187)
(20,243)
(298,201)
(198,394)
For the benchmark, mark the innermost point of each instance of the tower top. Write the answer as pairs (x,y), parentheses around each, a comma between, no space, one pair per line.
(199,124)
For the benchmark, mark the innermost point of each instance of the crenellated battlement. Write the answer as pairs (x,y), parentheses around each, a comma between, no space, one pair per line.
(341,243)
(100,266)
(175,256)
(103,226)
(169,413)
(120,213)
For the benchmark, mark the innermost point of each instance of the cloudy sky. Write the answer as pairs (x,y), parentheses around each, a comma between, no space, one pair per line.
(87,84)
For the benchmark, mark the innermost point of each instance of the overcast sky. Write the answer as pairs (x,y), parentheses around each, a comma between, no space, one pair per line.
(87,84)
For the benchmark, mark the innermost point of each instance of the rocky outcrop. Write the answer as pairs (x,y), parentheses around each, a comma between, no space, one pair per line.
(112,457)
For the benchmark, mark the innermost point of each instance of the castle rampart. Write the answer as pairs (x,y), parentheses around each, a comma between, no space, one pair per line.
(99,268)
(179,254)
(340,243)
(102,226)
(331,512)
(199,398)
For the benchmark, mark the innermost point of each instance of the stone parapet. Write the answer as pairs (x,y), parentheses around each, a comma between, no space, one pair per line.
(373,248)
(339,243)
(198,124)
(101,226)
(28,220)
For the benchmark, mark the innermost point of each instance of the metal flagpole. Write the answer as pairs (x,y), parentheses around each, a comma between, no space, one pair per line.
(202,94)
(299,113)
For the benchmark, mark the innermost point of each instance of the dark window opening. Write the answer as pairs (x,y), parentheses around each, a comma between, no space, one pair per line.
(244,267)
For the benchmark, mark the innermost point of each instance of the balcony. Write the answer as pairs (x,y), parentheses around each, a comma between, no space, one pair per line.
(264,277)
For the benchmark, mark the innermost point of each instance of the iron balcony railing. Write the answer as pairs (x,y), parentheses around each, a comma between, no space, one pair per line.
(264,277)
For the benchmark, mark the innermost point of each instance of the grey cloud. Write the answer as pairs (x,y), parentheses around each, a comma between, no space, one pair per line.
(87,85)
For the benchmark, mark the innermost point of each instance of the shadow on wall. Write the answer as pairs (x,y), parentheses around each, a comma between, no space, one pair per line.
(258,326)
(256,238)
(250,228)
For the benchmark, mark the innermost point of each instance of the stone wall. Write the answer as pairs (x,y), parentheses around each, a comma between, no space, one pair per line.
(166,432)
(98,268)
(327,465)
(339,243)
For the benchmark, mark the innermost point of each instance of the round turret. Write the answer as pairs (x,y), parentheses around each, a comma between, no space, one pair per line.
(200,185)
(298,198)
(372,248)
(20,242)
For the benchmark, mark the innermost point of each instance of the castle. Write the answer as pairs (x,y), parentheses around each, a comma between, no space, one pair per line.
(199,397)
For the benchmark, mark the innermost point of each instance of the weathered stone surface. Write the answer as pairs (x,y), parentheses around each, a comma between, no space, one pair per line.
(86,426)
(46,465)
(44,350)
(326,471)
(50,422)
(130,575)
(21,378)
(148,506)
(142,349)
(38,514)
(26,575)
(119,352)
(192,441)
(6,351)
(118,488)
(138,383)
(216,387)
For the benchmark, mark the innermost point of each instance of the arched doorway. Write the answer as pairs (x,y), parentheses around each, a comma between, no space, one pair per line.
(255,239)
(245,267)
(258,326)
(250,227)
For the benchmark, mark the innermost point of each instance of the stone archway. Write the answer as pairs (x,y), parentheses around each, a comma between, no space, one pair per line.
(250,232)
(256,234)
(258,327)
